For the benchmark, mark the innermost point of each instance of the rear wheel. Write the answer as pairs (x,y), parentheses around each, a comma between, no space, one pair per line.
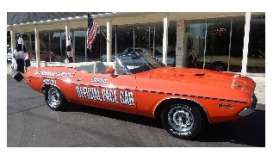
(55,99)
(183,120)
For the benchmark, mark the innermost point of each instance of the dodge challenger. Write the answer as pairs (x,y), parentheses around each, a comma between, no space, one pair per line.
(184,100)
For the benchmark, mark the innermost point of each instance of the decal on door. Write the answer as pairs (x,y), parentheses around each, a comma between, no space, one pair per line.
(106,94)
(54,74)
(49,82)
(99,80)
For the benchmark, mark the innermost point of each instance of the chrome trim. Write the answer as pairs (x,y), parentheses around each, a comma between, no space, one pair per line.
(180,118)
(249,110)
(246,111)
(54,98)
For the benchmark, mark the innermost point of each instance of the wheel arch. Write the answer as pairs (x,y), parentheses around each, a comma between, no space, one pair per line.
(46,87)
(167,101)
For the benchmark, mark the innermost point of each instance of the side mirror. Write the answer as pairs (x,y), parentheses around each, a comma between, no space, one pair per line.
(110,70)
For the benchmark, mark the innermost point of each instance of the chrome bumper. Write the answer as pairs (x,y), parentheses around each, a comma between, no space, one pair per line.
(247,111)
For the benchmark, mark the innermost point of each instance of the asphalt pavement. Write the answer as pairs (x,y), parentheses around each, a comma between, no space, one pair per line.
(30,123)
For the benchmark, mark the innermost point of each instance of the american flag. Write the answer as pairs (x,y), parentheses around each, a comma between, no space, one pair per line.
(91,31)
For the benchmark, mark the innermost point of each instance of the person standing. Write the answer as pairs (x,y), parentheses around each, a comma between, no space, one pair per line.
(18,60)
(19,54)
(69,54)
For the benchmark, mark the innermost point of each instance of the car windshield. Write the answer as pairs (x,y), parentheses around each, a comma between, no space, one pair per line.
(136,61)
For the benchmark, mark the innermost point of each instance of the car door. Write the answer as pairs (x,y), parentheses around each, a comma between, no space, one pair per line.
(126,90)
(116,91)
(106,91)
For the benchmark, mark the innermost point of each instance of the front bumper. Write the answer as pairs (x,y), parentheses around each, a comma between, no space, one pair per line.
(249,110)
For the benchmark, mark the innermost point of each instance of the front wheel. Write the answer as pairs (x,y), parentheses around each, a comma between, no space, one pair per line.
(55,99)
(182,120)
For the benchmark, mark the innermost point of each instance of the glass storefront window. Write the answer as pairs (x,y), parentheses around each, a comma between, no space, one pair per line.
(256,51)
(195,43)
(44,41)
(46,53)
(217,54)
(79,43)
(8,44)
(237,43)
(124,37)
(142,35)
(223,38)
(171,44)
(29,41)
(63,44)
(157,40)
(8,38)
(55,45)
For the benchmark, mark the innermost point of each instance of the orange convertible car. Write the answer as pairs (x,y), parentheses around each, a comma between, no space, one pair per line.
(183,99)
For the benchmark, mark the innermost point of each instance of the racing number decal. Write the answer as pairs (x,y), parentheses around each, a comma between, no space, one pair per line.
(106,94)
(49,82)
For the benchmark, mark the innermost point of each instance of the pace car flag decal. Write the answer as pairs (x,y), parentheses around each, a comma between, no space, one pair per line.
(91,31)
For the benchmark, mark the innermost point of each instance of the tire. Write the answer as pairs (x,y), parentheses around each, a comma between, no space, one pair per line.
(54,98)
(182,120)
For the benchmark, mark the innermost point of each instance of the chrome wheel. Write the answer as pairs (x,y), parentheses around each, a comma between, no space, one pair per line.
(54,98)
(181,118)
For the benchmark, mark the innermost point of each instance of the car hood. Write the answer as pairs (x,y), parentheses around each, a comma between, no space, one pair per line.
(195,81)
(179,74)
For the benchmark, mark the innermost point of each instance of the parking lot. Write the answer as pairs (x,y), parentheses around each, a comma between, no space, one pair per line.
(30,123)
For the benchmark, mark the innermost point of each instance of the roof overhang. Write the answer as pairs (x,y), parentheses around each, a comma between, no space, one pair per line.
(117,18)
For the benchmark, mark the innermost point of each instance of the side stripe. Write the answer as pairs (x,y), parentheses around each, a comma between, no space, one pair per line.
(174,94)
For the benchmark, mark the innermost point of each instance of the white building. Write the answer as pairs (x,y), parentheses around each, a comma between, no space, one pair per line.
(217,40)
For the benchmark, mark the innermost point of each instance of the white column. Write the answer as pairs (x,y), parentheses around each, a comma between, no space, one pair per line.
(246,42)
(109,41)
(37,46)
(67,32)
(12,41)
(181,55)
(165,40)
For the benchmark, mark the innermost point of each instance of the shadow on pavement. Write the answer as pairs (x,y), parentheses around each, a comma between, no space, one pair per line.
(114,114)
(248,131)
